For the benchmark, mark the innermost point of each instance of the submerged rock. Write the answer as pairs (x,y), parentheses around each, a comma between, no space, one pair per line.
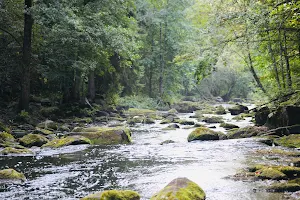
(113,195)
(180,189)
(31,140)
(105,135)
(69,140)
(11,174)
(11,150)
(203,134)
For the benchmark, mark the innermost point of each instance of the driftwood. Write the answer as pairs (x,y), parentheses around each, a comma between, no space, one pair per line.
(281,128)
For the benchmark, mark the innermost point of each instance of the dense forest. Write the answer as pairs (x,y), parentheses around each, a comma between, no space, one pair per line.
(65,51)
(112,99)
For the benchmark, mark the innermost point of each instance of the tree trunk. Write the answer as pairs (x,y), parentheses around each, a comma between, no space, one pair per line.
(287,62)
(76,87)
(281,59)
(253,70)
(25,84)
(92,89)
(161,63)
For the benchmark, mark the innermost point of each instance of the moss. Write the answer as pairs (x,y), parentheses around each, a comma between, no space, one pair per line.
(246,132)
(203,133)
(172,111)
(270,173)
(255,168)
(11,174)
(220,110)
(33,140)
(290,172)
(238,118)
(284,187)
(11,150)
(6,137)
(149,121)
(228,126)
(113,195)
(42,131)
(166,121)
(105,136)
(292,141)
(213,119)
(86,120)
(275,151)
(4,128)
(69,140)
(180,189)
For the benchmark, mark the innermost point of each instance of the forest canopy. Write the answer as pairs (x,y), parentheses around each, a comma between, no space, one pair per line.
(70,50)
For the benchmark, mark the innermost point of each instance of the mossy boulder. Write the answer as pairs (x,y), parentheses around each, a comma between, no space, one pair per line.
(6,137)
(203,134)
(48,124)
(186,106)
(11,150)
(42,131)
(149,121)
(11,174)
(213,119)
(261,115)
(283,187)
(66,141)
(173,126)
(33,140)
(237,109)
(180,189)
(113,195)
(220,110)
(270,173)
(166,121)
(172,111)
(246,132)
(292,141)
(105,135)
(228,126)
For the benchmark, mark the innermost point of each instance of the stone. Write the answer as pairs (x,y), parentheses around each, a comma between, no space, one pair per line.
(180,189)
(203,134)
(261,115)
(238,109)
(11,174)
(66,141)
(33,140)
(113,195)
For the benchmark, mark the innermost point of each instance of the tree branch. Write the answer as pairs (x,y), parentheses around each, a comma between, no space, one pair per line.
(19,43)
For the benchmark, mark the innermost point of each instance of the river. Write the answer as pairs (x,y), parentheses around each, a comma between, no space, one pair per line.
(144,166)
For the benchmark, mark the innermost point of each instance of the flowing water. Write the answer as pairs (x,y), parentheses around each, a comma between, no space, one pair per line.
(145,166)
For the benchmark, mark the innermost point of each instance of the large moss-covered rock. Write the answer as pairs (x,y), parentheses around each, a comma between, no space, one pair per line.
(42,131)
(180,189)
(261,115)
(33,140)
(6,137)
(186,106)
(66,141)
(203,134)
(48,124)
(113,195)
(12,150)
(237,109)
(292,141)
(11,174)
(105,135)
(228,126)
(213,119)
(249,131)
(220,110)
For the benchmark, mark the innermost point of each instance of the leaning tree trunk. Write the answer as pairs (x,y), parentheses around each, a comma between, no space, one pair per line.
(92,88)
(25,84)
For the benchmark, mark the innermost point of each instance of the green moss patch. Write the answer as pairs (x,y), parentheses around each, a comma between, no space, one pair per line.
(213,119)
(113,195)
(249,131)
(270,173)
(292,141)
(33,140)
(11,174)
(220,110)
(228,126)
(203,134)
(69,140)
(180,188)
(6,137)
(11,150)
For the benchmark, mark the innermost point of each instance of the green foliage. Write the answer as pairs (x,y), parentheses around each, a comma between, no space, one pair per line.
(137,101)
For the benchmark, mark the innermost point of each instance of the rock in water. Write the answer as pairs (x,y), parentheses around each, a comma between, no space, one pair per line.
(113,195)
(11,174)
(203,134)
(180,189)
(261,115)
(238,109)
(70,140)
